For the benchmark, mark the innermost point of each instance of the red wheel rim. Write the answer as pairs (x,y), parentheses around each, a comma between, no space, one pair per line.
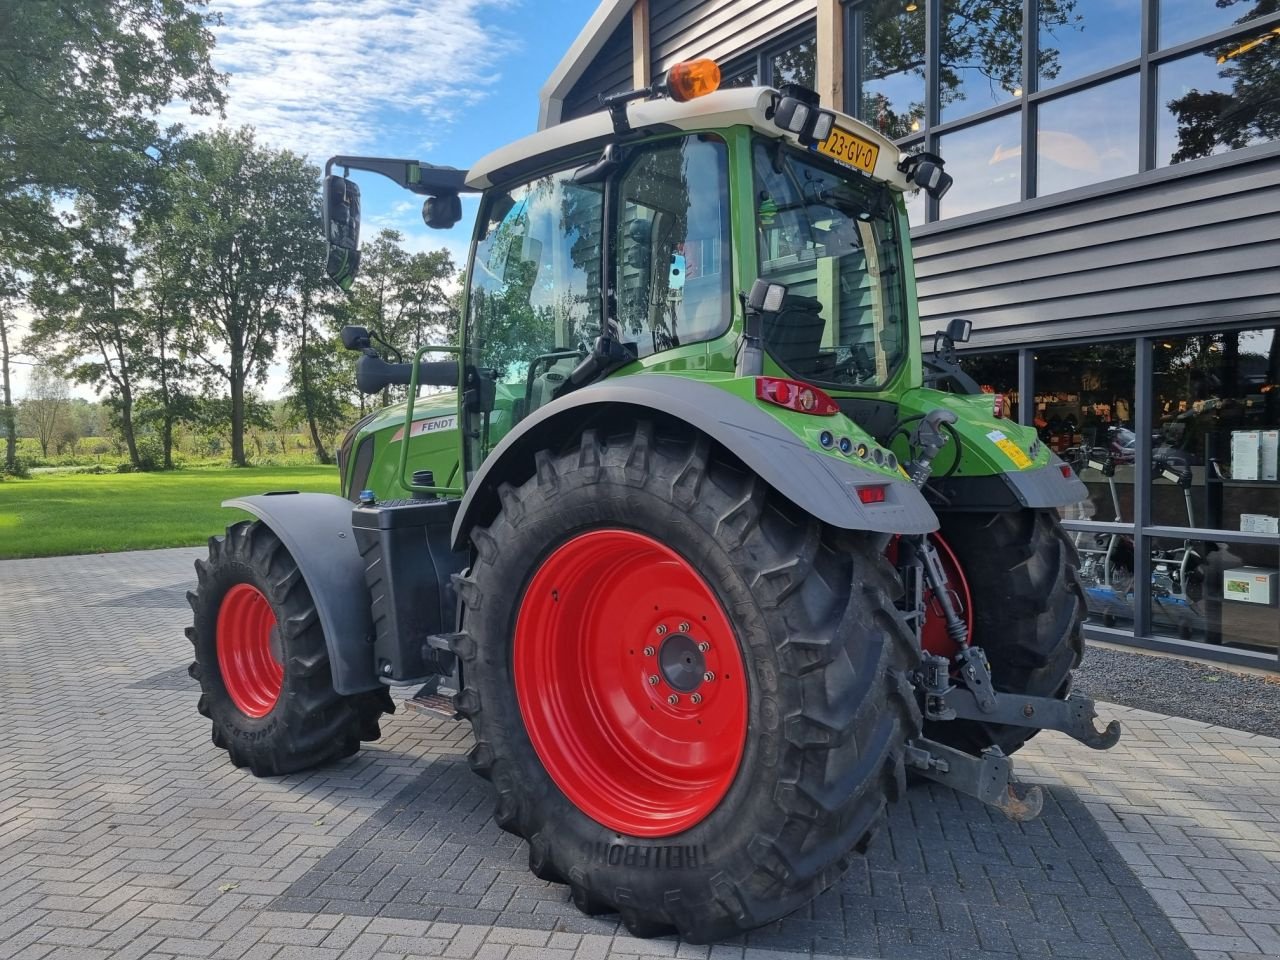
(607,613)
(250,670)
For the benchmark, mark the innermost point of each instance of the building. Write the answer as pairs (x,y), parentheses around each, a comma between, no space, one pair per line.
(1113,233)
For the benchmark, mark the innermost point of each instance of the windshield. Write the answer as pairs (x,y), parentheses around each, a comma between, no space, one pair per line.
(831,237)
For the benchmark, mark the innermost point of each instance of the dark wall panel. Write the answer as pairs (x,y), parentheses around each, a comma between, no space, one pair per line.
(609,72)
(720,29)
(1176,250)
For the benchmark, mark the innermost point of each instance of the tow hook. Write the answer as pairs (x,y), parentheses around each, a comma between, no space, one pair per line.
(989,776)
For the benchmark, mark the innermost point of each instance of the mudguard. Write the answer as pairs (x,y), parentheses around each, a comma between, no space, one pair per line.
(316,530)
(820,484)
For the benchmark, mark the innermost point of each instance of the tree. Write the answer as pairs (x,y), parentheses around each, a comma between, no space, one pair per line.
(1250,112)
(44,410)
(81,82)
(164,317)
(979,37)
(246,221)
(8,413)
(86,325)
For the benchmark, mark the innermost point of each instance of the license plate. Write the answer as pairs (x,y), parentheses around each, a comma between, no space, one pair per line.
(850,149)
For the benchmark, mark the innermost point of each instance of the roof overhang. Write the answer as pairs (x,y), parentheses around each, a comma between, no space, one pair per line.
(581,52)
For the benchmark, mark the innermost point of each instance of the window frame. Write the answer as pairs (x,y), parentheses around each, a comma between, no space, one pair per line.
(1150,56)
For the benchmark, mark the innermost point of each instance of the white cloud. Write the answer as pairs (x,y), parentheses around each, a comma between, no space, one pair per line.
(323,77)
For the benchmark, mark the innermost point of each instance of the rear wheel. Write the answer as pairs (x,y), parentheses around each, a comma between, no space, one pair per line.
(262,663)
(1018,576)
(690,697)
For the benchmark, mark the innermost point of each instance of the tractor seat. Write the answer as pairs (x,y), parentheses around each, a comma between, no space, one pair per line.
(793,336)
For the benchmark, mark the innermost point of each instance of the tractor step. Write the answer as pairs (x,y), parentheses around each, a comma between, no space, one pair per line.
(434,703)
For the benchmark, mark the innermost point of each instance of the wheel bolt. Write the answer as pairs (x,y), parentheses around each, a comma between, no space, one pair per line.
(696,698)
(703,647)
(684,627)
(673,699)
(648,651)
(662,629)
(708,676)
(653,680)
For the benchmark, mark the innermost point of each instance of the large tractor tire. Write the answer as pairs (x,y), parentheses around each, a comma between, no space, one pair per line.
(1017,579)
(691,697)
(261,660)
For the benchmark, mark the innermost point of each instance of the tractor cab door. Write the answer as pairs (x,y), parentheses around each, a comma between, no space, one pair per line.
(536,303)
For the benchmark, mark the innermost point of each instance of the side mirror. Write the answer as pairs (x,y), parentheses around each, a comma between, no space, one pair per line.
(958,329)
(342,230)
(355,338)
(441,213)
(763,298)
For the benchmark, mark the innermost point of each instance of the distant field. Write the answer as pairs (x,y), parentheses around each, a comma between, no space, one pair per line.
(56,514)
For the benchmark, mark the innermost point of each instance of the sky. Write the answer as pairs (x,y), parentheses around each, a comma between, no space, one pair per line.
(444,81)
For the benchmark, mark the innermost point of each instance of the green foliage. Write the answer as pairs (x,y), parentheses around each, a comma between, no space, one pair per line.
(248,220)
(81,82)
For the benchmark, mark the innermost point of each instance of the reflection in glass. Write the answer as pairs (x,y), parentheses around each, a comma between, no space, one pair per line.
(1084,412)
(985,161)
(1080,37)
(1220,99)
(1088,136)
(749,77)
(1183,20)
(1216,424)
(995,373)
(1201,591)
(891,66)
(981,55)
(797,64)
(915,207)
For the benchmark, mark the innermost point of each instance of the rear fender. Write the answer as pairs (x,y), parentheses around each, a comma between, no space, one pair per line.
(821,484)
(316,530)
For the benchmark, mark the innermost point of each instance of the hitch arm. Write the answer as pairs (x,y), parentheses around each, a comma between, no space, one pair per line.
(1073,716)
(988,777)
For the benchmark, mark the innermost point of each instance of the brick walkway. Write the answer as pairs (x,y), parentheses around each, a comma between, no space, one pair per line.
(124,833)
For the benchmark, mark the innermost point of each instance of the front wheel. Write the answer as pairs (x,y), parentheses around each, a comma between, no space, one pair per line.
(262,663)
(690,697)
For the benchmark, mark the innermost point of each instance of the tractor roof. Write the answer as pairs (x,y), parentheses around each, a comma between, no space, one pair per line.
(725,108)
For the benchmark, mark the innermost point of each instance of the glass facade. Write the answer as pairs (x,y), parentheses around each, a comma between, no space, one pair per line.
(1087,136)
(1175,439)
(1078,37)
(986,159)
(1055,89)
(980,62)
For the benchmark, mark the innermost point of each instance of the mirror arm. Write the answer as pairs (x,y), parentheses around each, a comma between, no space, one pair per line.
(413,175)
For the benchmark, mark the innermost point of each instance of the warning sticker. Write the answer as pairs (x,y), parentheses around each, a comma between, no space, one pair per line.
(1011,449)
(434,425)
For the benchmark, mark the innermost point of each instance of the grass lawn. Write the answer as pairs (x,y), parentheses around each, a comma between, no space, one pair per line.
(56,514)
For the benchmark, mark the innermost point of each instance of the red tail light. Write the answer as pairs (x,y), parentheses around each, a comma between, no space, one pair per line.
(794,395)
(1066,470)
(1000,406)
(873,494)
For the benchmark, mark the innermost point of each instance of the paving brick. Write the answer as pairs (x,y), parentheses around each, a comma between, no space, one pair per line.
(150,843)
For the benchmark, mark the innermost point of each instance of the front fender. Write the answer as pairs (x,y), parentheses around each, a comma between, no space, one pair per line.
(316,530)
(822,484)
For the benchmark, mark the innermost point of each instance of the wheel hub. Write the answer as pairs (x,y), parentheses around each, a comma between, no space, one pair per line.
(682,663)
(630,683)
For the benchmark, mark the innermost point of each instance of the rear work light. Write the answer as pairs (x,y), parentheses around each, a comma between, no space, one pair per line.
(794,395)
(873,494)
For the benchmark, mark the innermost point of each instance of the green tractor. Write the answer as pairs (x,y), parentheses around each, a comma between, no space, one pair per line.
(710,555)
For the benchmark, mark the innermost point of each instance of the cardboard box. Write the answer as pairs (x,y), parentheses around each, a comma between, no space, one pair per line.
(1246,454)
(1270,454)
(1259,523)
(1250,585)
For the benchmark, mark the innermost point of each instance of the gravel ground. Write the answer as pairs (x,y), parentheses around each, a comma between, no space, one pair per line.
(1182,688)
